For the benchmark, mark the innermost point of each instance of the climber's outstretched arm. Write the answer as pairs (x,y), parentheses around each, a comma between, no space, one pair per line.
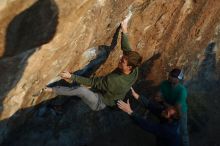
(125,46)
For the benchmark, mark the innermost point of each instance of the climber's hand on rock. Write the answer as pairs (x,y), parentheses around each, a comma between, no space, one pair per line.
(65,75)
(124,26)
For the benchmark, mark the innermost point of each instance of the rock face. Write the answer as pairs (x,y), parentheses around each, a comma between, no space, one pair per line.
(41,38)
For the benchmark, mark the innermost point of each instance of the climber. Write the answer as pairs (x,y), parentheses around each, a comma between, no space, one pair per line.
(106,89)
(166,131)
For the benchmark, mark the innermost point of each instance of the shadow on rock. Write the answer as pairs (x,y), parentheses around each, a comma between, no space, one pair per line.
(204,100)
(28,30)
(76,125)
(32,28)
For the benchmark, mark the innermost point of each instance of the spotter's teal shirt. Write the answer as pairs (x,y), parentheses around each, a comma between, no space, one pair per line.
(174,95)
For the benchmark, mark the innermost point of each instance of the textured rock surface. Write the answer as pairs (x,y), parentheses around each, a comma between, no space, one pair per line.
(39,39)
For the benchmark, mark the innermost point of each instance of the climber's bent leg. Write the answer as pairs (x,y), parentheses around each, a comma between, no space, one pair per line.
(92,99)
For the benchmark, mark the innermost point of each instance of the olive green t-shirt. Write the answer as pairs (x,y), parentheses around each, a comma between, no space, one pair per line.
(113,86)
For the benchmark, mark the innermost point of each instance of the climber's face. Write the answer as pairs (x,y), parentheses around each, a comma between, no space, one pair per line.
(123,65)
